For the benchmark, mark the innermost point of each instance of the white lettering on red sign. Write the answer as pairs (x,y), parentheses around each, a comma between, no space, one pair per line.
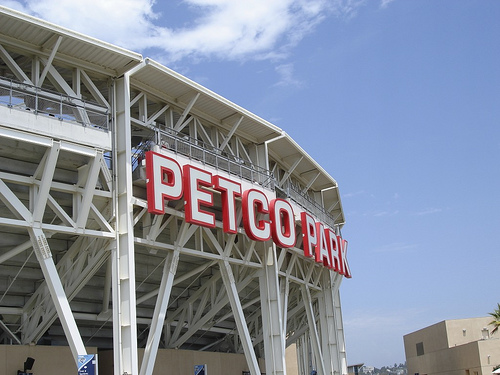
(229,190)
(309,236)
(283,232)
(164,181)
(255,206)
(195,197)
(262,219)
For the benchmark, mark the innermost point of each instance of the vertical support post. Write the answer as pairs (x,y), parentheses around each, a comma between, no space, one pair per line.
(302,354)
(272,325)
(126,344)
(329,340)
(284,291)
(115,292)
(339,326)
(306,295)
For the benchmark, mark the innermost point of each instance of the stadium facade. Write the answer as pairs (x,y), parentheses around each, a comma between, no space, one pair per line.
(140,213)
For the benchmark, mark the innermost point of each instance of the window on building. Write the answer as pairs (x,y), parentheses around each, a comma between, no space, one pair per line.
(420,348)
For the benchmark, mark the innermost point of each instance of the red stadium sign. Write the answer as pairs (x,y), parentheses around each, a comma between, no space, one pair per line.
(263,219)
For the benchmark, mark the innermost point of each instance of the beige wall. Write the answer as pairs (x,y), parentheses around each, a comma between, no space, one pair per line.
(461,331)
(452,347)
(455,360)
(182,362)
(292,366)
(433,338)
(49,360)
(489,351)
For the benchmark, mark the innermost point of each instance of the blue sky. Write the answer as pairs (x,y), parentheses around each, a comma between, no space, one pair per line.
(399,100)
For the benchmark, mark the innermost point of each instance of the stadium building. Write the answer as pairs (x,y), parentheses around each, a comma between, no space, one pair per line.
(150,221)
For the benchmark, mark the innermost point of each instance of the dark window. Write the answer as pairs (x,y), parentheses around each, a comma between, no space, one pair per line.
(420,348)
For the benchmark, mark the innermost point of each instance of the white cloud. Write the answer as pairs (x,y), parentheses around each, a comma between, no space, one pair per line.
(385,213)
(396,247)
(428,211)
(226,29)
(354,194)
(385,3)
(285,71)
(123,22)
(16,5)
(348,8)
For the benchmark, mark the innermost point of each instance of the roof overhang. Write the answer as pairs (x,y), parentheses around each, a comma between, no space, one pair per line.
(29,33)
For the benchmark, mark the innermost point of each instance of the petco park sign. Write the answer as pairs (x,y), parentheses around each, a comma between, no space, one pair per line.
(263,218)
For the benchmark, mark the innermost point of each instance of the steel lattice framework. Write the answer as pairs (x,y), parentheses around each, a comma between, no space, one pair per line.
(82,260)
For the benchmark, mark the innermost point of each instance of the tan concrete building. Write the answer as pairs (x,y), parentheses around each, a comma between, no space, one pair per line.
(453,347)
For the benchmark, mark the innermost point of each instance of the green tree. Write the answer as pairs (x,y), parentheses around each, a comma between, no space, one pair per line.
(496,319)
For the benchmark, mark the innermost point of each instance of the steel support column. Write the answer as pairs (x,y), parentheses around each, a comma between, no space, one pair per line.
(339,326)
(303,354)
(125,337)
(272,325)
(315,344)
(329,339)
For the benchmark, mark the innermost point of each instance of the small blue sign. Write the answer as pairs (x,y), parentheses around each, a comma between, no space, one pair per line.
(200,370)
(87,364)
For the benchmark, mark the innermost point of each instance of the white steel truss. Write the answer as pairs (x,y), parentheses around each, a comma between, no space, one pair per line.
(99,269)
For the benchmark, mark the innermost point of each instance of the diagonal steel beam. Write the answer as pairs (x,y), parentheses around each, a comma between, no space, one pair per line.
(216,307)
(13,203)
(290,170)
(47,175)
(87,81)
(44,256)
(239,316)
(180,123)
(84,258)
(13,66)
(15,251)
(48,63)
(90,185)
(231,132)
(160,311)
(9,333)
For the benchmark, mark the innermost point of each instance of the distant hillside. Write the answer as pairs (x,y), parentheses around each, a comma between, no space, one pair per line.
(385,370)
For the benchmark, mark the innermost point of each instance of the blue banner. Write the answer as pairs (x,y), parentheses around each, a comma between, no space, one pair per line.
(200,370)
(87,364)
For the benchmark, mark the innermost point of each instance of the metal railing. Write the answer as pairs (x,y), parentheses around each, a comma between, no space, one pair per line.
(308,203)
(44,102)
(209,155)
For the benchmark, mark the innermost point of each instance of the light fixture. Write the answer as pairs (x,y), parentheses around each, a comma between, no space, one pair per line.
(28,365)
